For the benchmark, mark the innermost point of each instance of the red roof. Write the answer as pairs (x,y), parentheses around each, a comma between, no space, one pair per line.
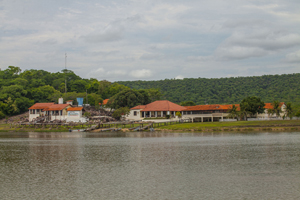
(210,107)
(104,102)
(40,106)
(56,107)
(270,106)
(69,101)
(139,107)
(163,105)
(75,109)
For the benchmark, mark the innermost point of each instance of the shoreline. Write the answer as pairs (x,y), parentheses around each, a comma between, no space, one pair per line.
(282,125)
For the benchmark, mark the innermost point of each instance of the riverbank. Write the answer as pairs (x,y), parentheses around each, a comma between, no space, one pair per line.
(280,125)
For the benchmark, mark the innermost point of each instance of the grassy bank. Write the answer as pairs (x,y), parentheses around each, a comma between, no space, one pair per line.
(10,128)
(235,126)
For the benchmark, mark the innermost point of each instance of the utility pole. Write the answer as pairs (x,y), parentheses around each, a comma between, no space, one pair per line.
(65,73)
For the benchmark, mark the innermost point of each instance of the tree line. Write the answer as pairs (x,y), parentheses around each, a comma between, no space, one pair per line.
(284,88)
(20,90)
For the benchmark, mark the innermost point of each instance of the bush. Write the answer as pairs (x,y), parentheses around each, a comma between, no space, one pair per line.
(117,114)
(2,115)
(178,114)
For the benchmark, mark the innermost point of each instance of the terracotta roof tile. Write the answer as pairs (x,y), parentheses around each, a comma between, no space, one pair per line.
(210,107)
(104,102)
(138,107)
(41,105)
(270,106)
(75,109)
(56,107)
(163,105)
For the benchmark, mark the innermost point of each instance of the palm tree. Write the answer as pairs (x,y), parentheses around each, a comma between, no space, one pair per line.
(276,108)
(270,112)
(289,110)
(233,112)
(244,113)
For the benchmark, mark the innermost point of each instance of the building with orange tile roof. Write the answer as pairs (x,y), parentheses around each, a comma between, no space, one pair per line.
(52,111)
(160,108)
(38,110)
(268,106)
(75,114)
(208,113)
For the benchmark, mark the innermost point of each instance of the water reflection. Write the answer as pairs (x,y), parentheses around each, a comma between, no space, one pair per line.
(149,166)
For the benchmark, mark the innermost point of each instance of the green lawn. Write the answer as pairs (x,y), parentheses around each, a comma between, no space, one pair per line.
(238,124)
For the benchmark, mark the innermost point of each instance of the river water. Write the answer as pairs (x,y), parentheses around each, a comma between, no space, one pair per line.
(150,166)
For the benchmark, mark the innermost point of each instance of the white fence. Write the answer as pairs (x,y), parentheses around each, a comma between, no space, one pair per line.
(270,119)
(228,120)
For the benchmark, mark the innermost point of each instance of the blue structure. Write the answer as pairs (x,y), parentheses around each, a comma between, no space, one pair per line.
(80,101)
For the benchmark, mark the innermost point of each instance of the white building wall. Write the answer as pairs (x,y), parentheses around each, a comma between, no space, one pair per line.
(138,115)
(75,116)
(33,116)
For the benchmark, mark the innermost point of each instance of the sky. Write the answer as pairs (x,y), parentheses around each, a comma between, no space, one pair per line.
(152,40)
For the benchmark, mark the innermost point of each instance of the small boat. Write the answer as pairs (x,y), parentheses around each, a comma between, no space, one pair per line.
(77,130)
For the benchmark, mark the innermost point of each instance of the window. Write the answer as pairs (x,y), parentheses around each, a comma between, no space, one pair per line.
(134,113)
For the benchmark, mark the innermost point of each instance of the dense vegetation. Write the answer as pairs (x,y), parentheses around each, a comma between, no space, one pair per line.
(225,90)
(19,90)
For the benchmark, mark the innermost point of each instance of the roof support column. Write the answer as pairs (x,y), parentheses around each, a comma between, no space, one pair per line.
(212,119)
(201,119)
(162,113)
(155,113)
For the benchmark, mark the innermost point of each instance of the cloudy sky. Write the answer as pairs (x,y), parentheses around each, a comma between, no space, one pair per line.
(150,39)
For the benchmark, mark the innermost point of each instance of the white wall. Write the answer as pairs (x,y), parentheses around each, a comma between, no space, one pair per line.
(33,116)
(131,115)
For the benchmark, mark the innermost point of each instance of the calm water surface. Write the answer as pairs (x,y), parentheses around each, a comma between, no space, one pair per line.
(150,166)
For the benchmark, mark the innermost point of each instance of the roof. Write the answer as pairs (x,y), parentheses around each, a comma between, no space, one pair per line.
(211,107)
(139,107)
(75,109)
(41,105)
(104,102)
(56,107)
(163,105)
(270,106)
(69,100)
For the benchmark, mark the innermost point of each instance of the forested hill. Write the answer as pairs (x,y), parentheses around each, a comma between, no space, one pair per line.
(225,90)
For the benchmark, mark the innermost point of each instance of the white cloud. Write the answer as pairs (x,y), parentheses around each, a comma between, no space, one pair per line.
(293,57)
(126,40)
(179,77)
(142,73)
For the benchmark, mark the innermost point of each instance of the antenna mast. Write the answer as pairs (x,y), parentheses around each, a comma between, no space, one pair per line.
(65,73)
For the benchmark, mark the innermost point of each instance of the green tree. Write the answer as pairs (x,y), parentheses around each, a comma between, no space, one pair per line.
(78,86)
(154,94)
(233,112)
(276,108)
(9,107)
(126,98)
(23,104)
(118,113)
(43,93)
(2,114)
(252,105)
(12,91)
(289,110)
(270,112)
(187,103)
